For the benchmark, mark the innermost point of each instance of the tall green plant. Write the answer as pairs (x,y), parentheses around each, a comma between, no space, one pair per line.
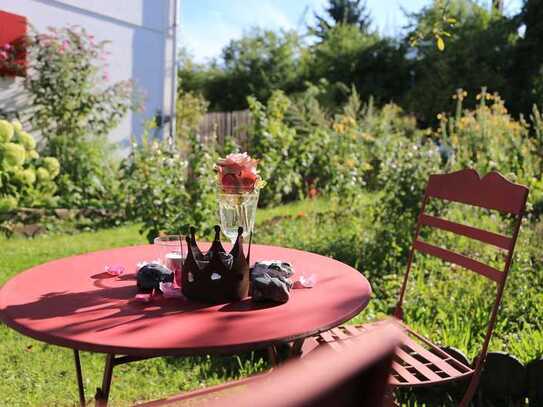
(487,138)
(73,109)
(272,143)
(154,177)
(167,189)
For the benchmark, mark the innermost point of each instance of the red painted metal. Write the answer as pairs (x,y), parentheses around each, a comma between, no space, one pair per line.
(68,302)
(13,30)
(491,192)
(460,260)
(357,378)
(495,239)
(419,362)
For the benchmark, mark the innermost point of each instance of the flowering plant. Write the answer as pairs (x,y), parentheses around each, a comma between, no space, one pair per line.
(237,173)
(26,179)
(12,58)
(75,105)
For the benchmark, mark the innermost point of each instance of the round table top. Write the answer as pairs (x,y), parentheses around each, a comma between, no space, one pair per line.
(71,302)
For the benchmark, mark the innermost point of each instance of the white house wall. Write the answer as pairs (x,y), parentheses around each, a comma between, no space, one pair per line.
(141,46)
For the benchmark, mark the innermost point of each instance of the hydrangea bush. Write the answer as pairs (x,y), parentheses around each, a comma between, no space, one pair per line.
(26,179)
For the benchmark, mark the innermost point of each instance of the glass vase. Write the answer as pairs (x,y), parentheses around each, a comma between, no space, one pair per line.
(237,208)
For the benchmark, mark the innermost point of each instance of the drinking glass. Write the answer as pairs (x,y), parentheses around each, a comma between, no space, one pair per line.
(170,252)
(235,210)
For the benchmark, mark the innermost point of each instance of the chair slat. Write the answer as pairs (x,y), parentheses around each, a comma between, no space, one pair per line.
(503,242)
(492,191)
(435,348)
(404,373)
(466,262)
(339,333)
(432,358)
(419,366)
(327,336)
(353,330)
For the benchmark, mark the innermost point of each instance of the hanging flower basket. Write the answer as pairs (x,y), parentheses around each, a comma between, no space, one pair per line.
(13,44)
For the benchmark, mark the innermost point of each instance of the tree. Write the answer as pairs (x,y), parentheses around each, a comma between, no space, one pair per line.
(351,12)
(347,57)
(497,5)
(527,71)
(478,53)
(257,64)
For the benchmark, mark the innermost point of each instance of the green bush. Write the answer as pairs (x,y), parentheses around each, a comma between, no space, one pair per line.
(487,138)
(73,110)
(403,175)
(168,190)
(190,109)
(154,177)
(26,179)
(302,146)
(272,143)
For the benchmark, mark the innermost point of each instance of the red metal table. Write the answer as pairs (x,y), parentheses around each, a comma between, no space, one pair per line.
(70,302)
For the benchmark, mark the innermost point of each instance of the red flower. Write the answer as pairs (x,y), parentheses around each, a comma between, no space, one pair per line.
(237,173)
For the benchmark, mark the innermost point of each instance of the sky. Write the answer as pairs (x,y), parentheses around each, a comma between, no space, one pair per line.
(208,25)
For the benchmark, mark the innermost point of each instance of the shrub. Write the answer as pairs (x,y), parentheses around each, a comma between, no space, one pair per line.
(26,179)
(488,138)
(403,175)
(154,176)
(272,142)
(168,190)
(301,146)
(74,111)
(190,109)
(201,185)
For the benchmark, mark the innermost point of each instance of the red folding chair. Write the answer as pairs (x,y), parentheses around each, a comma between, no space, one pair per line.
(418,361)
(324,378)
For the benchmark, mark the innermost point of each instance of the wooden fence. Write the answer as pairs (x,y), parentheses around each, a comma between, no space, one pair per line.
(217,126)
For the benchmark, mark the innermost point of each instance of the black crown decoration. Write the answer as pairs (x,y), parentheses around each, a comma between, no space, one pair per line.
(216,276)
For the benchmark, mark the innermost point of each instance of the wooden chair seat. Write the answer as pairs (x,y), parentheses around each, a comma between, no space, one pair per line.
(417,361)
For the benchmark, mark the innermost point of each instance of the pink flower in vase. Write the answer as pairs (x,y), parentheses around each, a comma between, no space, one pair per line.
(3,55)
(237,172)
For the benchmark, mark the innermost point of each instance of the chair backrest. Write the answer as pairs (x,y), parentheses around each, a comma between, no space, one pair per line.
(492,192)
(358,377)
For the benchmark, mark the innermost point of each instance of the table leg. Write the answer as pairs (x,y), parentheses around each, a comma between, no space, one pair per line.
(79,375)
(102,393)
(295,349)
(273,356)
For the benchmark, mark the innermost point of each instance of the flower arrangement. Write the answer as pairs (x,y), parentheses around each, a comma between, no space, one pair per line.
(239,186)
(238,173)
(13,58)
